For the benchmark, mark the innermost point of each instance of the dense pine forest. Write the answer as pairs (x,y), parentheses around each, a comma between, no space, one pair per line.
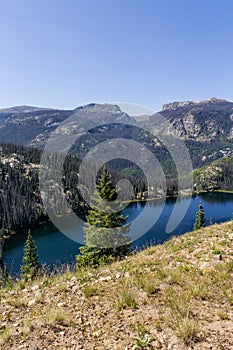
(216,176)
(20,201)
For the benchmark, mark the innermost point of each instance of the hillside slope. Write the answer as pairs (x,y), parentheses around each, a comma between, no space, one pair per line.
(215,176)
(169,296)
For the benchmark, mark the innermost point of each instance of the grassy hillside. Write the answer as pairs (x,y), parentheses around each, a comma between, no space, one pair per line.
(173,296)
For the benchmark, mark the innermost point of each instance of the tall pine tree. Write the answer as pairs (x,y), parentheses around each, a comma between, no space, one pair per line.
(106,235)
(31,265)
(200,218)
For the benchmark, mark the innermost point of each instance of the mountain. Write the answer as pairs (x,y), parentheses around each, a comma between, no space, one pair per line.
(33,126)
(202,120)
(190,119)
(23,125)
(22,109)
(206,126)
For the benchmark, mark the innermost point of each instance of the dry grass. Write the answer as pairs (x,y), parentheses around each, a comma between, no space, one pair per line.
(179,293)
(126,299)
(187,330)
(5,336)
(56,316)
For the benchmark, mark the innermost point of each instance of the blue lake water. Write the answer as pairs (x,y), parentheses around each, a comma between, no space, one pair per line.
(55,248)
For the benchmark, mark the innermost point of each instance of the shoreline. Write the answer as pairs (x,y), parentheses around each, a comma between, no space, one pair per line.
(150,199)
(225,191)
(182,195)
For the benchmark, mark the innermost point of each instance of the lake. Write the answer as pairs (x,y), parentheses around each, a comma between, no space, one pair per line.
(55,248)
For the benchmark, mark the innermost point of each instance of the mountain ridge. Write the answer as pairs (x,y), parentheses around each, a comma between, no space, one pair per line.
(205,126)
(23,109)
(175,104)
(29,108)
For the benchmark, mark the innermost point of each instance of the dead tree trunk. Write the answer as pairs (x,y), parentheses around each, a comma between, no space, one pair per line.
(2,266)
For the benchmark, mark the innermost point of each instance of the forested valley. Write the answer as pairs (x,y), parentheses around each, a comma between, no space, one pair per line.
(21,205)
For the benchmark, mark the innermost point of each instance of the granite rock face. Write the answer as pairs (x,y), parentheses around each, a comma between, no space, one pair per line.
(201,121)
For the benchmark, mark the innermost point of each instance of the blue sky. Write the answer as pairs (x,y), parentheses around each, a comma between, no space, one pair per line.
(65,53)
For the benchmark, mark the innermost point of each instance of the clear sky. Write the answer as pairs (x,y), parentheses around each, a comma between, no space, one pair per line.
(65,53)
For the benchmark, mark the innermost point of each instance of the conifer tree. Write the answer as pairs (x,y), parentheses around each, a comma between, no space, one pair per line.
(106,235)
(31,265)
(200,218)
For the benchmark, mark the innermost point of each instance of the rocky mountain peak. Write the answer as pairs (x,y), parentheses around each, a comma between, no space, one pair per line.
(97,107)
(176,104)
(216,100)
(179,104)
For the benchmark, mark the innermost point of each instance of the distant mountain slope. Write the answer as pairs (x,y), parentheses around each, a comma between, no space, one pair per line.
(22,126)
(206,126)
(216,175)
(191,120)
(33,126)
(201,120)
(22,109)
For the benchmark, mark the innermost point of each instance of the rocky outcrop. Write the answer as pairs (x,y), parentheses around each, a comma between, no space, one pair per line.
(202,120)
